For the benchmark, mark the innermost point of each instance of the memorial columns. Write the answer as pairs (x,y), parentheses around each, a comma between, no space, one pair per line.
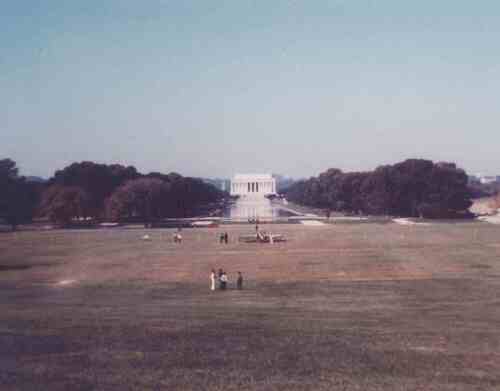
(248,184)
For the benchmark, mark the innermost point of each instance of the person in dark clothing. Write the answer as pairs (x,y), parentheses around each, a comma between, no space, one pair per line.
(226,238)
(239,281)
(222,237)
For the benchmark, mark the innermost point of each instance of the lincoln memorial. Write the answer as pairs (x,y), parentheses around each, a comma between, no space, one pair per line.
(253,185)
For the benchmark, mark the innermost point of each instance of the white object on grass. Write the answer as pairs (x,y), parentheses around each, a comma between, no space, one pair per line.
(405,221)
(311,222)
(66,282)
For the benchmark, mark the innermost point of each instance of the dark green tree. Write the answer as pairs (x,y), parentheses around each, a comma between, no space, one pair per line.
(412,188)
(18,197)
(97,180)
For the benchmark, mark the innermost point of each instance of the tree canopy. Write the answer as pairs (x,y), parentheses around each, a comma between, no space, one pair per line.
(116,192)
(412,188)
(98,181)
(18,197)
(64,203)
(143,197)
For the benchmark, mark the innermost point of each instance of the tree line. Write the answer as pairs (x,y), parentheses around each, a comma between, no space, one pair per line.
(18,197)
(92,191)
(412,188)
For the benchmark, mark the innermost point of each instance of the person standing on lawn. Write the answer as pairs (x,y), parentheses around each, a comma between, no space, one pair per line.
(223,281)
(239,281)
(212,280)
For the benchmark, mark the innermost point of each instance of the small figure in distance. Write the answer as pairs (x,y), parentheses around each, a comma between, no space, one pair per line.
(223,281)
(212,280)
(226,238)
(178,236)
(221,237)
(239,281)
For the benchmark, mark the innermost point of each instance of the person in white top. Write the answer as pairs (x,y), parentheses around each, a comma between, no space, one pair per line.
(223,281)
(212,280)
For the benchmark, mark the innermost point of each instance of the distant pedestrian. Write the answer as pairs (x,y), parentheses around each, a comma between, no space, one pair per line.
(221,237)
(239,281)
(226,238)
(223,281)
(212,280)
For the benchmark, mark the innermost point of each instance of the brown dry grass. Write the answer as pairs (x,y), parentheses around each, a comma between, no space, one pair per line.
(348,306)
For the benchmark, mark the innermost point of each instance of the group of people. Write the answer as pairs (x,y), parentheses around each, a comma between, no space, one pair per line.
(222,278)
(224,237)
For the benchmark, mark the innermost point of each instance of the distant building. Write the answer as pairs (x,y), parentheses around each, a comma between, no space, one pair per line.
(487,179)
(253,185)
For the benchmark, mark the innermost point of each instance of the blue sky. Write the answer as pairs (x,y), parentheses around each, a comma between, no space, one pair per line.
(212,88)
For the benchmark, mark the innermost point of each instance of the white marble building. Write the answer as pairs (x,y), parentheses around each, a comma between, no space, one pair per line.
(253,185)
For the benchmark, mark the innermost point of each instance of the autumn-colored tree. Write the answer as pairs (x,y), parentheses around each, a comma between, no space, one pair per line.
(61,204)
(146,198)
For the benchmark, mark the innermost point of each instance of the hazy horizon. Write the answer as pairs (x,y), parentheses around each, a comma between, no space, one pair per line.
(284,175)
(209,90)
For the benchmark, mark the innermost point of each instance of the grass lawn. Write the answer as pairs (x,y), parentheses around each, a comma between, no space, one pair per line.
(337,307)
